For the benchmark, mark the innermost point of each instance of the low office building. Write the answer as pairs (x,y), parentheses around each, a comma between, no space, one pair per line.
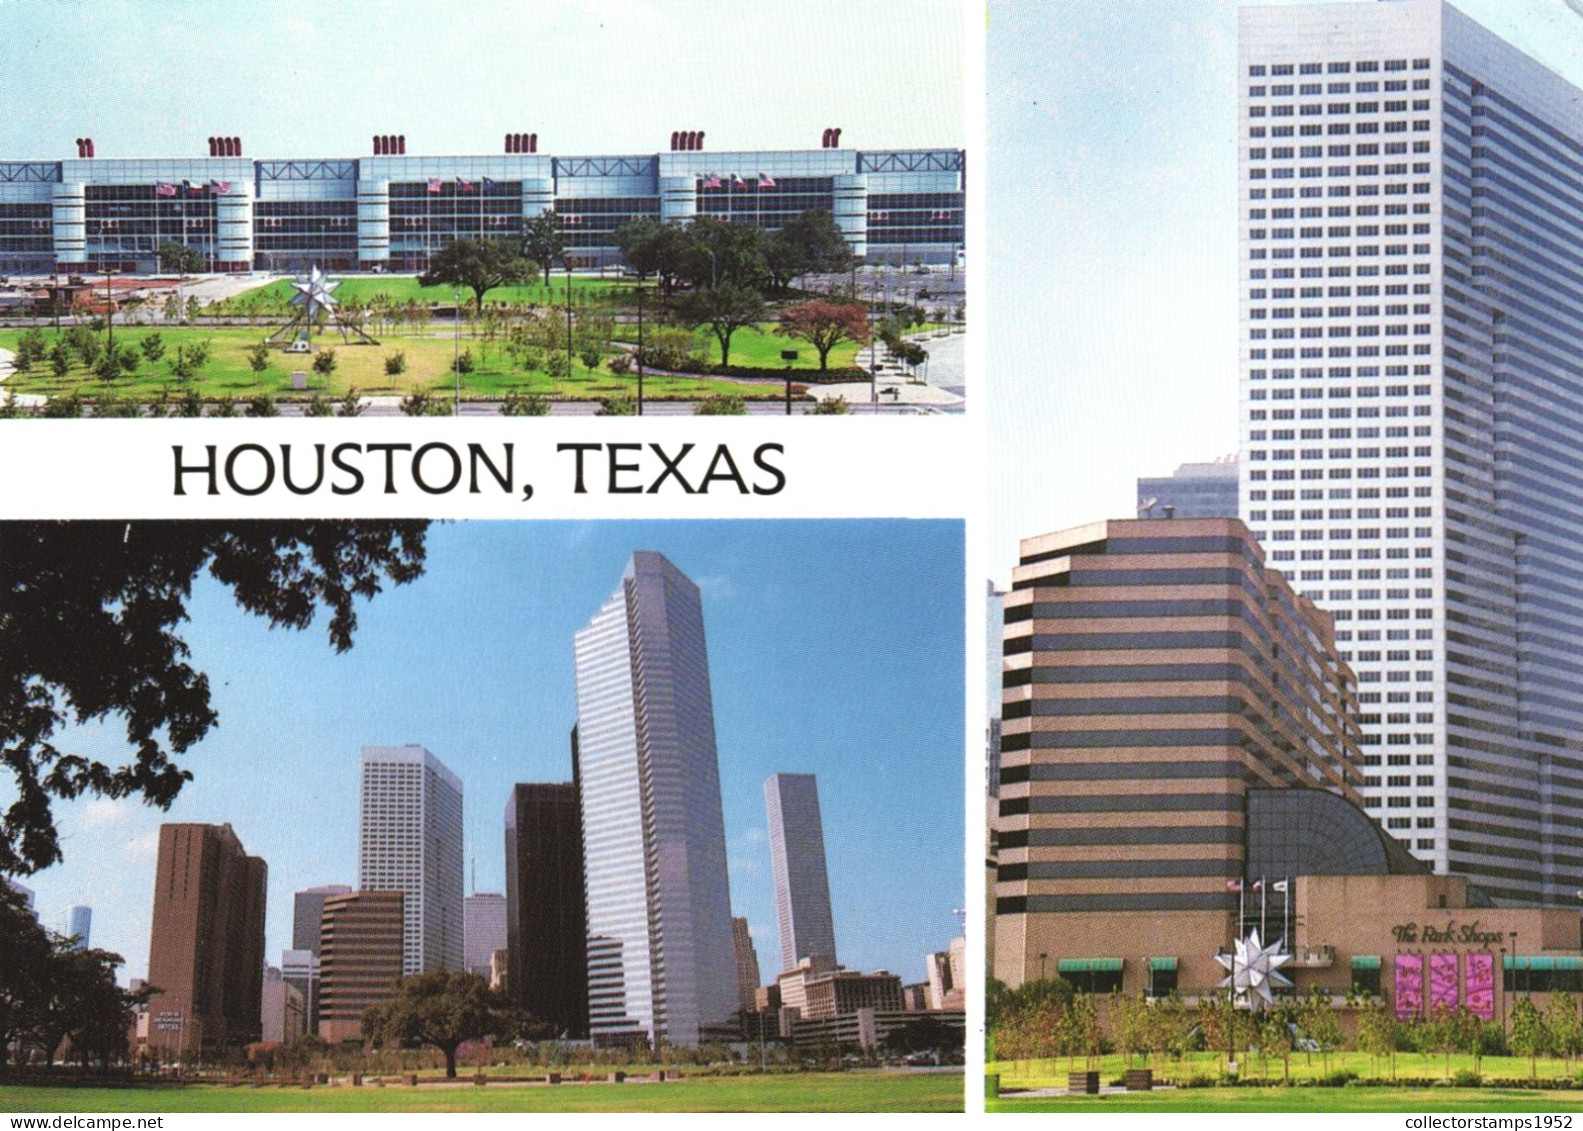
(390,211)
(360,959)
(867,1029)
(284,1009)
(1180,769)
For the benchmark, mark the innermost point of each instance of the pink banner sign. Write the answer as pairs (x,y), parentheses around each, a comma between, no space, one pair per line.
(1443,981)
(1409,986)
(1479,973)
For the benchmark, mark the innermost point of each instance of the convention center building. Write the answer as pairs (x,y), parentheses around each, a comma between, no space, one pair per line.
(391,211)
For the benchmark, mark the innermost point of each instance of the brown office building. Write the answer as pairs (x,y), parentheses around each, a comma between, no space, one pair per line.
(360,959)
(546,914)
(1156,677)
(207,948)
(1178,750)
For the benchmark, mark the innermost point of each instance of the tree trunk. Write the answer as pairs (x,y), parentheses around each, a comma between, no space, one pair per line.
(450,1061)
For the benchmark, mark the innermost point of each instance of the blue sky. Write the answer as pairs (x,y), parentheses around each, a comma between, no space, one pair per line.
(592,76)
(1111,198)
(835,648)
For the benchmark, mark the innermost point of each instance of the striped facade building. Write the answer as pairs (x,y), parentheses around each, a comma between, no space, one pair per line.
(361,959)
(1158,680)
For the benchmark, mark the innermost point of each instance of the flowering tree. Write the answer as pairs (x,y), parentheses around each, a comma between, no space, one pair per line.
(824,325)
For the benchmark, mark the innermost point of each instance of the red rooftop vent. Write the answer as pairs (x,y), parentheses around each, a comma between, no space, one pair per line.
(831,139)
(85,147)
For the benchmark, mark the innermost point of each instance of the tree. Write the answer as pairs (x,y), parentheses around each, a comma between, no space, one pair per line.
(440,1008)
(261,404)
(524,404)
(824,325)
(725,309)
(478,266)
(88,631)
(422,404)
(809,242)
(1376,1029)
(177,257)
(543,243)
(1562,1023)
(26,953)
(324,362)
(396,364)
(661,250)
(722,252)
(1530,1036)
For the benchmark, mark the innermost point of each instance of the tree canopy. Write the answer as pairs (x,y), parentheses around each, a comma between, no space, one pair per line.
(824,325)
(441,1008)
(88,619)
(480,266)
(725,309)
(543,241)
(180,258)
(809,242)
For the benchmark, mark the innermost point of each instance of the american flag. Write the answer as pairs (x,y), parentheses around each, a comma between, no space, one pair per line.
(488,184)
(219,186)
(712,181)
(766,181)
(434,184)
(163,189)
(464,186)
(737,181)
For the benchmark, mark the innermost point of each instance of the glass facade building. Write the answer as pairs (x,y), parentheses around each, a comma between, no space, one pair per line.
(1411,193)
(797,861)
(395,212)
(661,958)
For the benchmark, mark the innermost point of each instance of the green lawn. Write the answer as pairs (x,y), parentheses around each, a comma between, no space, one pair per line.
(855,1091)
(1304,1099)
(362,367)
(760,345)
(1409,1066)
(405,288)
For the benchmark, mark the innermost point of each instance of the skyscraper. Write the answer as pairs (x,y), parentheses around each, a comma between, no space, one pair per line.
(546,909)
(802,888)
(307,909)
(78,924)
(410,840)
(1411,389)
(206,953)
(483,930)
(660,956)
(747,964)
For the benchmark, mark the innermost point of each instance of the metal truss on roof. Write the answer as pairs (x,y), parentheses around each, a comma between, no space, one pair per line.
(911,161)
(605,166)
(37,172)
(307,170)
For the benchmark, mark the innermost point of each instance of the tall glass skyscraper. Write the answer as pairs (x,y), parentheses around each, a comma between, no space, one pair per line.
(802,886)
(1411,197)
(410,840)
(661,962)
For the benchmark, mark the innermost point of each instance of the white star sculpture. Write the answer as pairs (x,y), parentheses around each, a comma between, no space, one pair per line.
(313,292)
(1254,970)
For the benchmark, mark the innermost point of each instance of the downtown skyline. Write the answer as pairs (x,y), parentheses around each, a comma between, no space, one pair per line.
(756,579)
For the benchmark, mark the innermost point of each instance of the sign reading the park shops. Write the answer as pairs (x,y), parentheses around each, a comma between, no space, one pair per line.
(1453,933)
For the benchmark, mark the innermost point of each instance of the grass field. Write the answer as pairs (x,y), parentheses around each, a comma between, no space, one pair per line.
(405,288)
(429,359)
(1211,1100)
(855,1091)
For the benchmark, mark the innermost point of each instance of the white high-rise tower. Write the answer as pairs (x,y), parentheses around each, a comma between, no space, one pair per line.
(661,959)
(410,840)
(1411,195)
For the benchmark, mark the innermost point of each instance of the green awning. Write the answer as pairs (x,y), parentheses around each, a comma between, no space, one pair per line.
(1162,964)
(1543,962)
(1087,965)
(1365,962)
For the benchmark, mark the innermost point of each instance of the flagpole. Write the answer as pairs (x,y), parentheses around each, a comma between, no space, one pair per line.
(1264,900)
(1286,909)
(1242,894)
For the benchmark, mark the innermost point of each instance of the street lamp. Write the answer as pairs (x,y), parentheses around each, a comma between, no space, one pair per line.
(640,391)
